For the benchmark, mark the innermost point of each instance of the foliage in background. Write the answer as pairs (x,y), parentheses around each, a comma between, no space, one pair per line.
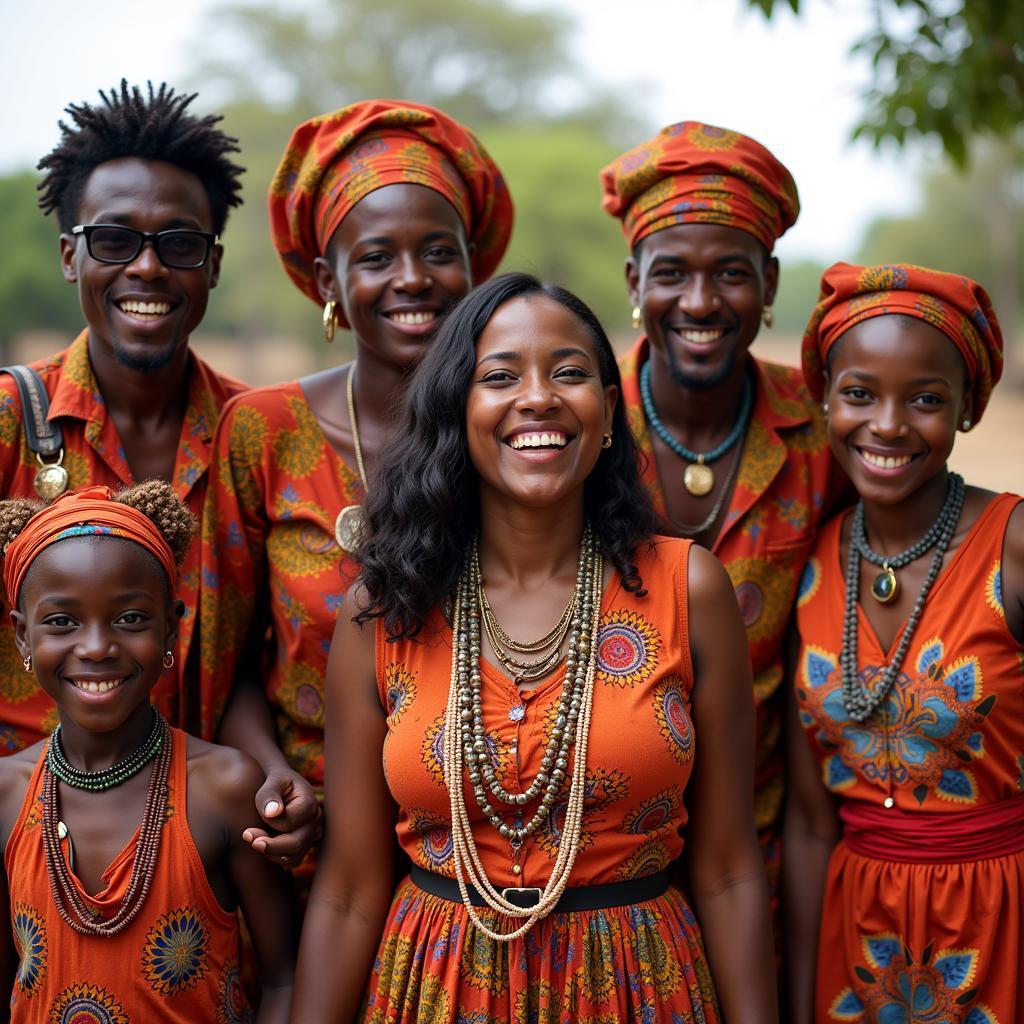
(951,69)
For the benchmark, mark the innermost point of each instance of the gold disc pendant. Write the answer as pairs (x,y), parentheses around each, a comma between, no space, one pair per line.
(349,527)
(698,479)
(51,478)
(884,587)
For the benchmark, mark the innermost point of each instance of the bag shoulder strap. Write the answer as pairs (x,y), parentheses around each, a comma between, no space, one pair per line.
(44,437)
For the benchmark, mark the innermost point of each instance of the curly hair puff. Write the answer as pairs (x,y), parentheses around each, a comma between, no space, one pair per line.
(423,510)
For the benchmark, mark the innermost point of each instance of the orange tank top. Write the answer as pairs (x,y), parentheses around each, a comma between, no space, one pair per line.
(177,961)
(641,738)
(952,733)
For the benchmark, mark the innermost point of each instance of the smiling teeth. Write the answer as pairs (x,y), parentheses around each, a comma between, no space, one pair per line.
(145,308)
(885,461)
(702,337)
(92,686)
(538,441)
(412,318)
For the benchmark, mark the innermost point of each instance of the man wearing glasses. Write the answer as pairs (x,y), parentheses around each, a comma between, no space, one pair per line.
(141,189)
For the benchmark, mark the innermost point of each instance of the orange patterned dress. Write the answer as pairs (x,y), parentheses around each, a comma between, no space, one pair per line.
(637,963)
(268,550)
(787,483)
(176,962)
(923,916)
(93,454)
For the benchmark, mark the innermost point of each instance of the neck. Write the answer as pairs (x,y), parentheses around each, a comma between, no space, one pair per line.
(700,417)
(894,528)
(530,546)
(95,751)
(143,396)
(378,383)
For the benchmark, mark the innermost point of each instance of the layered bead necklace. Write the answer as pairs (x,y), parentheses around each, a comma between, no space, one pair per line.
(72,907)
(861,702)
(698,477)
(466,752)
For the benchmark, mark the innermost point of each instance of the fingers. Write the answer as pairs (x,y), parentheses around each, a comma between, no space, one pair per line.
(287,801)
(288,850)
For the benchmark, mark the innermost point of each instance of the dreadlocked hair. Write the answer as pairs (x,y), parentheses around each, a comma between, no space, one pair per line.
(151,126)
(155,499)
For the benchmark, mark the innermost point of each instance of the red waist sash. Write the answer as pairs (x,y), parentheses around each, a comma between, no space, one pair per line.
(926,837)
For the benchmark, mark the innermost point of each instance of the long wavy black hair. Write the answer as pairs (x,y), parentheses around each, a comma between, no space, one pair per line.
(423,510)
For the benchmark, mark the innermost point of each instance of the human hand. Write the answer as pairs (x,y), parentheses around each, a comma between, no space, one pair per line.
(286,802)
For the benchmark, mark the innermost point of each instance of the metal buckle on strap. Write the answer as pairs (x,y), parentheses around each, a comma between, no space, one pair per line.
(518,896)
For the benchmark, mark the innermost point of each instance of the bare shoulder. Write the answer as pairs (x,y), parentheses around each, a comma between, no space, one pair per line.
(15,775)
(1013,552)
(227,775)
(708,580)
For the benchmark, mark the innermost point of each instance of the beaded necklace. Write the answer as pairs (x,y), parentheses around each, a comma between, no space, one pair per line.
(72,907)
(105,778)
(465,747)
(860,701)
(698,477)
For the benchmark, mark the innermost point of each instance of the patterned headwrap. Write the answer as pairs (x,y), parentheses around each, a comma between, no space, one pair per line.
(89,512)
(334,160)
(696,173)
(956,305)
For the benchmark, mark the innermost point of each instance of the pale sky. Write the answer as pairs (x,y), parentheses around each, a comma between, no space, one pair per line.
(790,84)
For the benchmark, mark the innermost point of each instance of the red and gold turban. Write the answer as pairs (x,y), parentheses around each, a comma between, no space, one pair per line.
(696,173)
(334,160)
(89,512)
(956,305)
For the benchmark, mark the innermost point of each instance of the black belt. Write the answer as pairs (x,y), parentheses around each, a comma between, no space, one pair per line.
(584,897)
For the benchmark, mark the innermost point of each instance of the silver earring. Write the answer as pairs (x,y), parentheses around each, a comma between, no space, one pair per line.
(965,425)
(28,663)
(169,659)
(824,408)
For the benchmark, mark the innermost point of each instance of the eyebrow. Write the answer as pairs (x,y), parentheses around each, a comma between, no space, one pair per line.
(682,261)
(188,223)
(64,601)
(917,382)
(431,236)
(559,353)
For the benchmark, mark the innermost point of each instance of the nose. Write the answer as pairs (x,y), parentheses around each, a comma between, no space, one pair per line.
(698,298)
(95,643)
(536,395)
(888,420)
(147,264)
(411,275)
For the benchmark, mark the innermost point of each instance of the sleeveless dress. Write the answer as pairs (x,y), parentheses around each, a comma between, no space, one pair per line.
(632,963)
(923,915)
(176,962)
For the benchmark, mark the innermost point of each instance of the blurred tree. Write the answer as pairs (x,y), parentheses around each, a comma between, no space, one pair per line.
(33,294)
(482,61)
(947,68)
(969,224)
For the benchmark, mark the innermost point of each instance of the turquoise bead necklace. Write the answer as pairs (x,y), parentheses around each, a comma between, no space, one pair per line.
(698,477)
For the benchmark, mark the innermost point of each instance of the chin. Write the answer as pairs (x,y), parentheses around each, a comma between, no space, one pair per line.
(145,358)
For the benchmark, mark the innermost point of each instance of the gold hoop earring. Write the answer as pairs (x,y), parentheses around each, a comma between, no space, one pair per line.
(28,663)
(637,313)
(330,323)
(768,317)
(606,441)
(169,659)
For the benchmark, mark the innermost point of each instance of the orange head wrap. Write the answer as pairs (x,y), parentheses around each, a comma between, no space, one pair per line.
(86,513)
(956,305)
(696,173)
(332,161)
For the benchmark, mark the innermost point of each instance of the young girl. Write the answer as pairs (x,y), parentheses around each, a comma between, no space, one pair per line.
(905,827)
(122,836)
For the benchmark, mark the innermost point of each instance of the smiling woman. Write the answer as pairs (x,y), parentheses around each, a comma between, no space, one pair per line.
(383,213)
(539,786)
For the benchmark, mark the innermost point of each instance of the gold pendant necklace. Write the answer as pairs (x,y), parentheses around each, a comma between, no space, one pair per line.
(699,478)
(350,526)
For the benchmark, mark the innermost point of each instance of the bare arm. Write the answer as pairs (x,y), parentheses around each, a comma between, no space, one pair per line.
(726,871)
(810,831)
(354,882)
(1013,573)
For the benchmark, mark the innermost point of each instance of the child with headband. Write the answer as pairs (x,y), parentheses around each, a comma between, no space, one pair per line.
(122,836)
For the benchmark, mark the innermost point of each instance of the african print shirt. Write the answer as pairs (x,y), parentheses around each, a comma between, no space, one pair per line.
(93,454)
(787,482)
(270,560)
(175,962)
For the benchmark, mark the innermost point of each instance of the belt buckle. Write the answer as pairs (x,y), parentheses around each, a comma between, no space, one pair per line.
(516,895)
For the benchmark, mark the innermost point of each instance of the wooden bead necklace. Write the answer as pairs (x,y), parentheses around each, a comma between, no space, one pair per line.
(71,905)
(466,751)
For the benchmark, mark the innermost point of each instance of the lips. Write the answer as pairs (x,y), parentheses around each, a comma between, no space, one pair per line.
(700,335)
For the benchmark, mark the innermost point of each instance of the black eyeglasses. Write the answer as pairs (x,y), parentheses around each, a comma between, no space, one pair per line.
(178,248)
